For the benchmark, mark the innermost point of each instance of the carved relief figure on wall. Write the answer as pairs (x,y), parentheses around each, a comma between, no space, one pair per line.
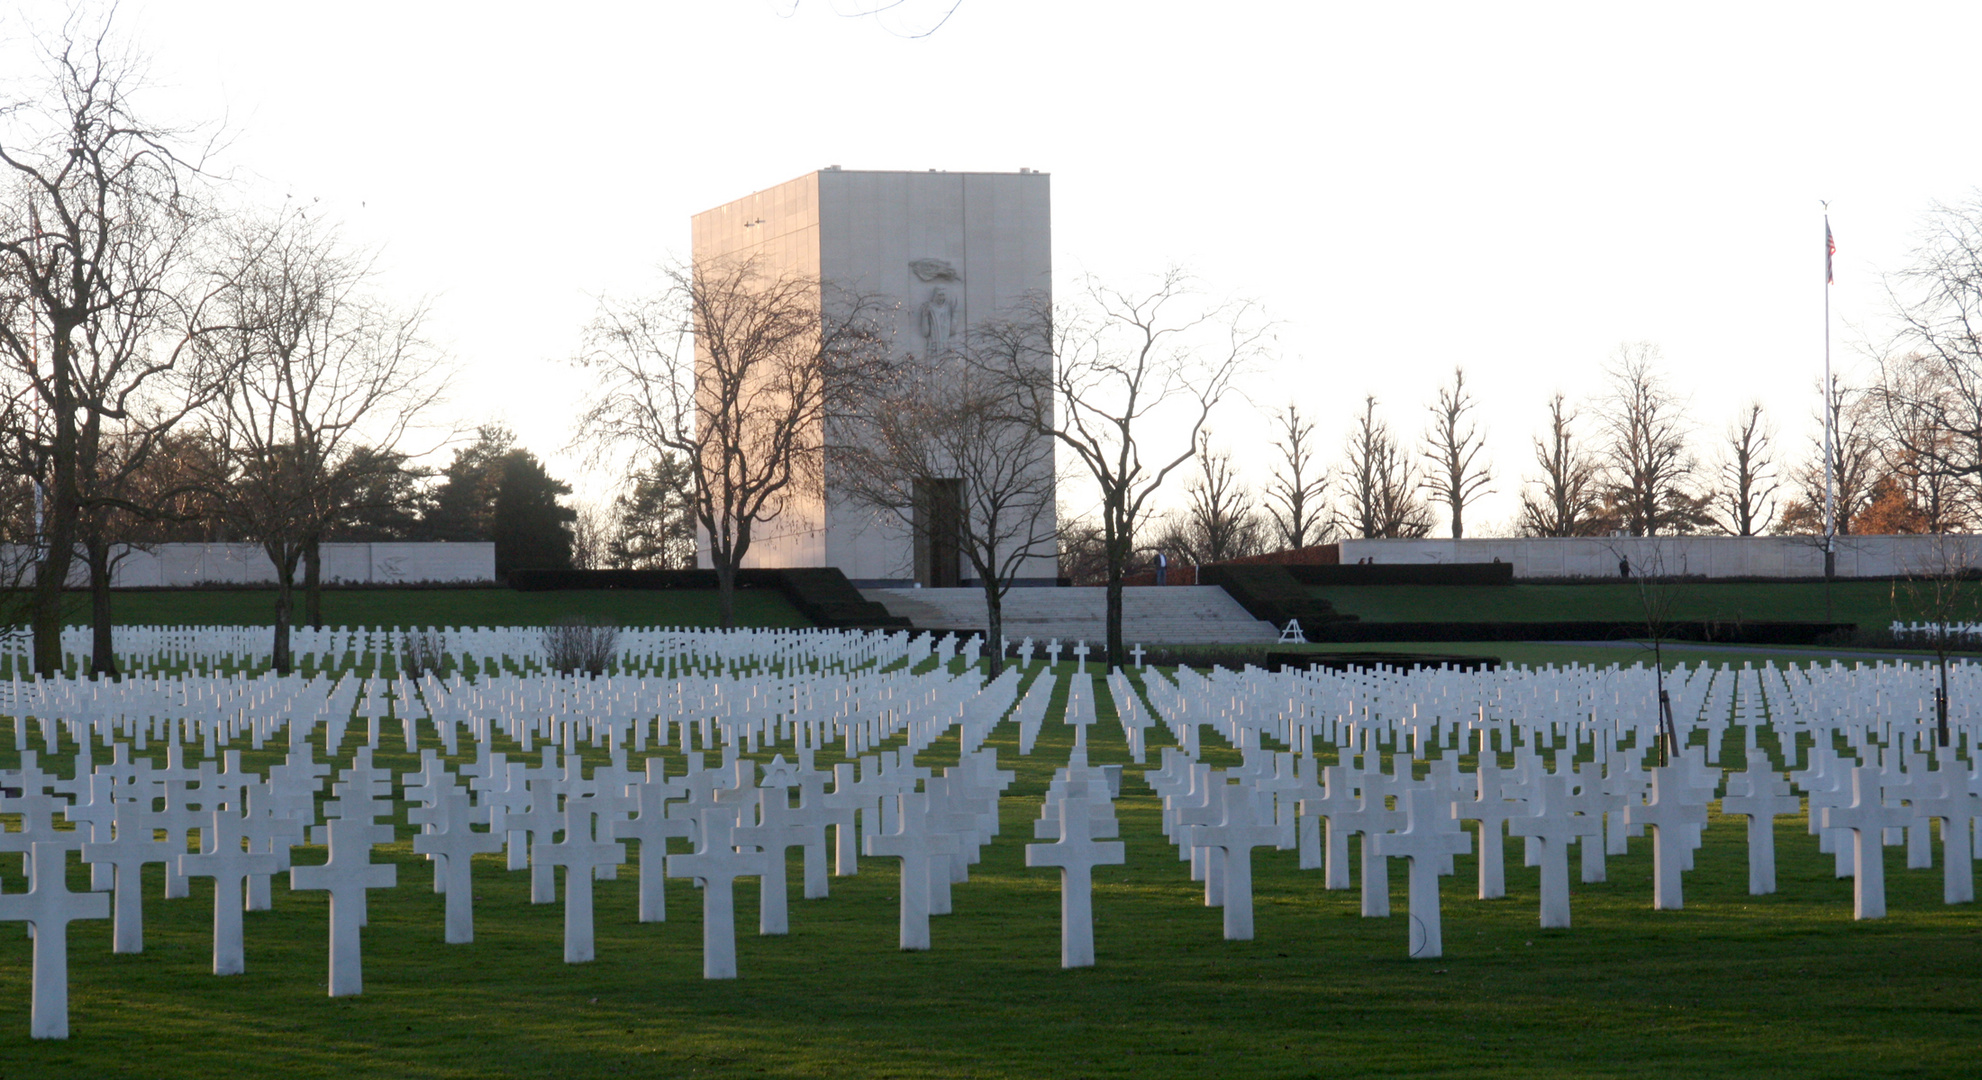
(936,320)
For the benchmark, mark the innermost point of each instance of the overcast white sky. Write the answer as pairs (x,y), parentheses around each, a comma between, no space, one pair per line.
(1513,187)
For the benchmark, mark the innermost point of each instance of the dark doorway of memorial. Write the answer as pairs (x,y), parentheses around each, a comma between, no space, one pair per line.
(939,533)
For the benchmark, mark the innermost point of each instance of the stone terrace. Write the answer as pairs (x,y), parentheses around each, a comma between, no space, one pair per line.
(1173,615)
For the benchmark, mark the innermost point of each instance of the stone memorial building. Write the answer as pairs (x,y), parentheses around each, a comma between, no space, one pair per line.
(943,248)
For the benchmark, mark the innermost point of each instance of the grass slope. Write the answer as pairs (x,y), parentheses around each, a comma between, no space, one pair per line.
(1733,986)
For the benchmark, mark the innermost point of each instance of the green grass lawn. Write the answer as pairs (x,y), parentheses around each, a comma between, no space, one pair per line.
(1732,986)
(447,607)
(1870,604)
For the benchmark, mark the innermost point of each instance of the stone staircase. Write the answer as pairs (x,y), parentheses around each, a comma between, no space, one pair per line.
(1169,615)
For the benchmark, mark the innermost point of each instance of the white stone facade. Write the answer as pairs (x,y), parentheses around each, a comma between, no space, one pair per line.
(184,565)
(1707,556)
(947,248)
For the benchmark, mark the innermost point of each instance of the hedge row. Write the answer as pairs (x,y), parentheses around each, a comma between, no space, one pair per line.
(820,593)
(1272,594)
(1405,574)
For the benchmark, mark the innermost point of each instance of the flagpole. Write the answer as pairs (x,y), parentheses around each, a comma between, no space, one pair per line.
(1830,413)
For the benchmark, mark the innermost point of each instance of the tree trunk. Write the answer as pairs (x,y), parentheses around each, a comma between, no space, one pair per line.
(1117,651)
(725,594)
(1116,534)
(64,505)
(58,555)
(284,557)
(103,654)
(313,582)
(994,627)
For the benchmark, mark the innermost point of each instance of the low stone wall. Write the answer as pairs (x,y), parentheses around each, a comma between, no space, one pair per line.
(1704,556)
(186,565)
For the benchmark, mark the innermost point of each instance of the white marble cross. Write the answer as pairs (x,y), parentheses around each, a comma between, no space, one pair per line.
(134,846)
(1305,789)
(224,859)
(773,835)
(1339,797)
(1943,793)
(1761,795)
(1553,828)
(1231,842)
(1371,819)
(1492,811)
(456,843)
(1080,656)
(537,822)
(50,907)
(717,865)
(1866,815)
(847,797)
(1053,649)
(1079,714)
(346,875)
(1076,853)
(95,816)
(1672,813)
(1430,836)
(1138,653)
(579,854)
(816,812)
(274,830)
(652,827)
(920,847)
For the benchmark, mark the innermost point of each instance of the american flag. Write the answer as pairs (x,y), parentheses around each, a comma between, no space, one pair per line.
(1830,250)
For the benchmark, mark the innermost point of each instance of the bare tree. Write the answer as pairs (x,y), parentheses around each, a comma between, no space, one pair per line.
(591,535)
(955,429)
(1933,367)
(137,479)
(1657,589)
(1855,459)
(1648,469)
(1121,373)
(1221,510)
(740,372)
(97,235)
(330,380)
(1745,503)
(1566,502)
(1083,551)
(1297,493)
(1454,474)
(1941,589)
(1914,395)
(1380,485)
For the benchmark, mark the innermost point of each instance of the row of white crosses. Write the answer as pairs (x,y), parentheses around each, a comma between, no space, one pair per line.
(739,827)
(1596,804)
(217,710)
(213,710)
(935,825)
(248,823)
(652,649)
(1078,816)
